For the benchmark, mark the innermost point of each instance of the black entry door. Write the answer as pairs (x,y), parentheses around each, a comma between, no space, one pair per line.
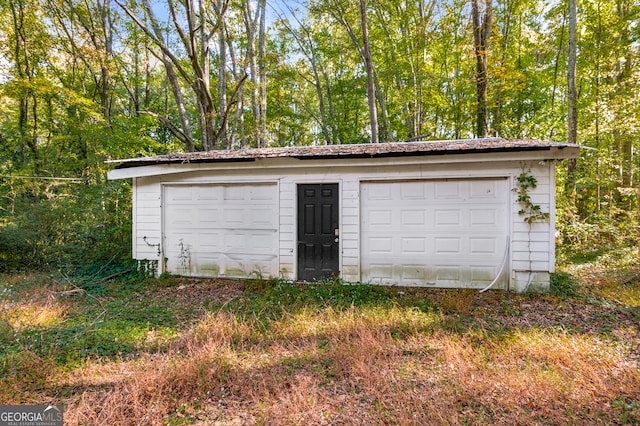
(317,231)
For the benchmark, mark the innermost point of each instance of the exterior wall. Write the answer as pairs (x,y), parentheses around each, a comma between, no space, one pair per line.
(533,245)
(532,252)
(147,220)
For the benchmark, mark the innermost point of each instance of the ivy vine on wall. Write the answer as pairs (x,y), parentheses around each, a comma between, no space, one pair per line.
(530,212)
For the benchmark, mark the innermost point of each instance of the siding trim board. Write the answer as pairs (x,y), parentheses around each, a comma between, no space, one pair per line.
(531,248)
(134,227)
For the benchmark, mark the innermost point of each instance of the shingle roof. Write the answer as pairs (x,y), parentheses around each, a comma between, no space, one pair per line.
(391,149)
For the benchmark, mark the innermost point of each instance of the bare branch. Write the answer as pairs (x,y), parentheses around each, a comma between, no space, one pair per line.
(172,127)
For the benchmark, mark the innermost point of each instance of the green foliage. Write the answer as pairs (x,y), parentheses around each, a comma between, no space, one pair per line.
(71,226)
(629,410)
(111,320)
(69,101)
(274,297)
(586,239)
(530,212)
(563,284)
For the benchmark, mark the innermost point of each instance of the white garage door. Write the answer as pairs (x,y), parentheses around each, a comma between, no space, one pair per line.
(445,233)
(221,230)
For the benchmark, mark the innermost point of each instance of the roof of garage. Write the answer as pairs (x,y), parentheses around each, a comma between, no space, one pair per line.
(391,149)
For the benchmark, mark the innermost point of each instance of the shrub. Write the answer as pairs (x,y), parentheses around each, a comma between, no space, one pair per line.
(563,284)
(68,228)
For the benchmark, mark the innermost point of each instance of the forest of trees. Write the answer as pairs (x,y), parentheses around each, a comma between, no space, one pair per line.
(84,81)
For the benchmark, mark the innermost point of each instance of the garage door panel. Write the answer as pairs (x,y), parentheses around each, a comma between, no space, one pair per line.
(184,196)
(208,216)
(413,191)
(483,274)
(409,217)
(447,245)
(221,230)
(378,217)
(210,242)
(413,246)
(483,189)
(182,217)
(447,190)
(448,217)
(379,273)
(446,274)
(433,232)
(381,245)
(209,193)
(483,217)
(483,245)
(413,274)
(262,217)
(380,191)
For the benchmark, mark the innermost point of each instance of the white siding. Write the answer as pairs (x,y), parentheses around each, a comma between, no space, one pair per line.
(287,229)
(531,246)
(147,218)
(350,228)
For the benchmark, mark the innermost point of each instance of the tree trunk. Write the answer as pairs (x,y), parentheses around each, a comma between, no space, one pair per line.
(555,71)
(481,34)
(262,71)
(239,70)
(105,91)
(222,80)
(170,63)
(572,119)
(305,43)
(182,110)
(496,126)
(373,117)
(251,26)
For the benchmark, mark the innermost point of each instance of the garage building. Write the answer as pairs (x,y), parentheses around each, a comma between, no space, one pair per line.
(437,213)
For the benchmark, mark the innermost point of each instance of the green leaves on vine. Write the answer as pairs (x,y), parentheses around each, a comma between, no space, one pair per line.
(530,212)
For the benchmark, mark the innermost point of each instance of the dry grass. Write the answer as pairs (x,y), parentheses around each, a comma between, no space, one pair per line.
(36,306)
(348,368)
(378,363)
(623,289)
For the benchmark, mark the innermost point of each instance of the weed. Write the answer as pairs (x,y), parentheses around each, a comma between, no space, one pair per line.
(630,411)
(272,299)
(563,284)
(459,301)
(7,332)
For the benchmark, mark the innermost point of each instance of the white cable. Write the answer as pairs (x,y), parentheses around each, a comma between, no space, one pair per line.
(504,263)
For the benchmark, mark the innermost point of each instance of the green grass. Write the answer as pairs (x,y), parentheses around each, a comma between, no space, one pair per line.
(563,284)
(110,320)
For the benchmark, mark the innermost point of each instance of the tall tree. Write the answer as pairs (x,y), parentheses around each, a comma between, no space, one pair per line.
(255,25)
(171,63)
(368,62)
(481,33)
(196,40)
(572,93)
(306,45)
